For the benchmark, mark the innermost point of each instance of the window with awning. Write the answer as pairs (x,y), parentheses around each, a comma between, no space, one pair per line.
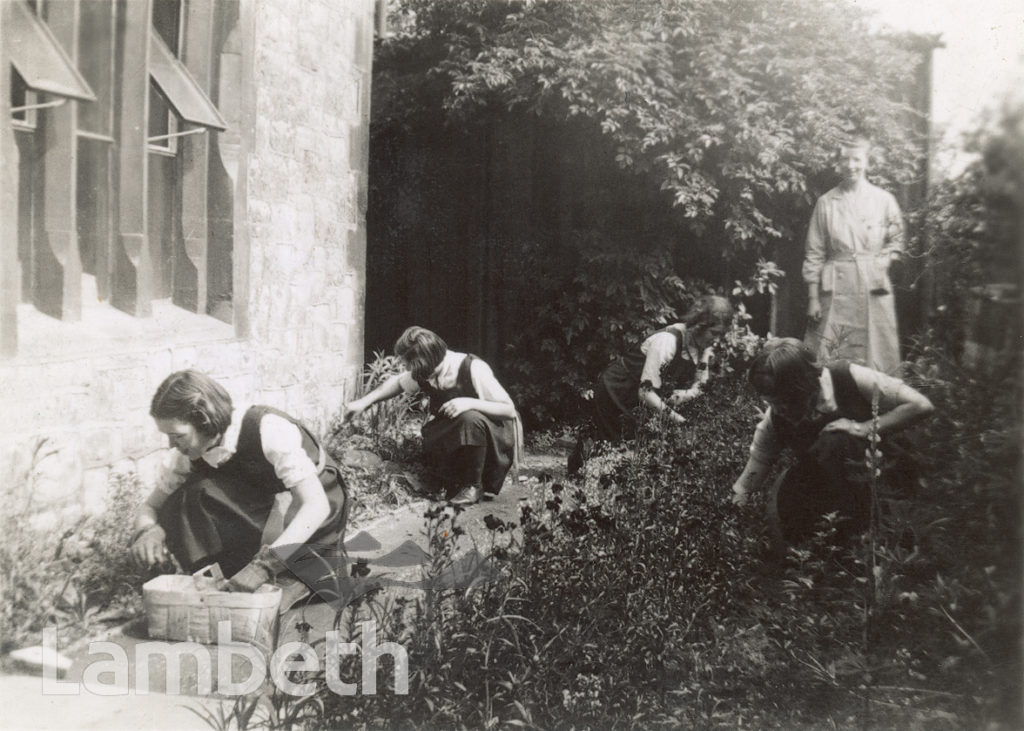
(118,188)
(40,60)
(181,91)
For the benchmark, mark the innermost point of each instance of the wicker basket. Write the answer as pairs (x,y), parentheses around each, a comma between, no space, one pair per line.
(188,608)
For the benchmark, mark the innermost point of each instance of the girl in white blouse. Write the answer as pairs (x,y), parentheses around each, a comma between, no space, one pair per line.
(473,432)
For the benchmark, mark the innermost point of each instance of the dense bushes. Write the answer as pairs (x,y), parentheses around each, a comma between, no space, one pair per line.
(638,596)
(973,226)
(598,302)
(524,150)
(729,106)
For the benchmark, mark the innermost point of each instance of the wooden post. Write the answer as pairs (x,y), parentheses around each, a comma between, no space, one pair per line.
(132,267)
(57,265)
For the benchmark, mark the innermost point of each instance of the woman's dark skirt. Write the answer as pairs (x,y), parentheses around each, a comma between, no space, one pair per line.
(218,519)
(442,437)
(832,476)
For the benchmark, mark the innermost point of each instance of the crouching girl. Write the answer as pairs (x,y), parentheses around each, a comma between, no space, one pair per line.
(825,416)
(217,501)
(472,435)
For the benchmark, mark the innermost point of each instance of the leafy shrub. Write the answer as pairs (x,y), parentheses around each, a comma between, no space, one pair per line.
(389,428)
(724,104)
(599,302)
(73,576)
(637,596)
(973,226)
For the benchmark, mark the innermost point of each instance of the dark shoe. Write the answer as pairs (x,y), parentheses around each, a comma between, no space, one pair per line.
(467,496)
(293,591)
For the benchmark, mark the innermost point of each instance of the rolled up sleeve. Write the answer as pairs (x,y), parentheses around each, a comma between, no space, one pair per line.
(486,384)
(174,470)
(660,349)
(408,383)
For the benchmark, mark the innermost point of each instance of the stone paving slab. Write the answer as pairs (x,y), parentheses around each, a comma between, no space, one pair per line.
(25,707)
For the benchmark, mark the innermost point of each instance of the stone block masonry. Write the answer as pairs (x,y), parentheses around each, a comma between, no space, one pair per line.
(82,389)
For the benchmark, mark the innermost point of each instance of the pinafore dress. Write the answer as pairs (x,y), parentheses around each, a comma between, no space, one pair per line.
(830,474)
(219,513)
(442,436)
(616,396)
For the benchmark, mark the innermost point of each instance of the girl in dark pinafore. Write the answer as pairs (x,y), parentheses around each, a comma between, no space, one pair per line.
(824,415)
(668,369)
(217,500)
(473,432)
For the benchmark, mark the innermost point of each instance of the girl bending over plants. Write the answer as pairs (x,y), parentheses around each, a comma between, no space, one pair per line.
(667,370)
(825,416)
(217,500)
(474,431)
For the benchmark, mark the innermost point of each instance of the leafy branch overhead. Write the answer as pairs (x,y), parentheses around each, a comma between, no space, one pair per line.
(732,107)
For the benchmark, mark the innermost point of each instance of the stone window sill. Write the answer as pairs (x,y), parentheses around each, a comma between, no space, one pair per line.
(104,330)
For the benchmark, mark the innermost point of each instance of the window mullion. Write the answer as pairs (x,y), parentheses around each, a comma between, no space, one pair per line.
(190,263)
(131,264)
(57,265)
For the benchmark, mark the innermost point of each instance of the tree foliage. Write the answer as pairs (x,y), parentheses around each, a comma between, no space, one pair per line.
(974,224)
(733,107)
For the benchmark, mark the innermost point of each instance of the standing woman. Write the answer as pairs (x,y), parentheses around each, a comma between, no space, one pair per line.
(216,501)
(825,416)
(856,232)
(473,434)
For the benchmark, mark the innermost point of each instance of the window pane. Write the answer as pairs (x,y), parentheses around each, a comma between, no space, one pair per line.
(164,221)
(166,20)
(19,96)
(96,62)
(159,119)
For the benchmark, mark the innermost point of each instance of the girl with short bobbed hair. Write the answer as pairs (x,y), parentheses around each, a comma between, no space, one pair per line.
(668,369)
(421,350)
(824,414)
(473,433)
(217,500)
(196,398)
(786,374)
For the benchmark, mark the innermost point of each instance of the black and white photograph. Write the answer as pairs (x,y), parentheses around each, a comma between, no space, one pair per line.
(511,364)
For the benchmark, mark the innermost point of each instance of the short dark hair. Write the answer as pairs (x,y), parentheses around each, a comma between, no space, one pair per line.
(785,369)
(422,350)
(709,310)
(195,398)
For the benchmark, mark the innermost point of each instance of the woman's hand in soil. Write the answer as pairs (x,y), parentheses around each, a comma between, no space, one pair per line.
(849,426)
(457,406)
(350,410)
(150,547)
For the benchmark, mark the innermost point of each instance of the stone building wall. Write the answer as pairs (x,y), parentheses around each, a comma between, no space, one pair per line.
(76,394)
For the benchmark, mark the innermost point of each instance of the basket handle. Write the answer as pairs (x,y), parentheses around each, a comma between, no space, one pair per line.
(213,571)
